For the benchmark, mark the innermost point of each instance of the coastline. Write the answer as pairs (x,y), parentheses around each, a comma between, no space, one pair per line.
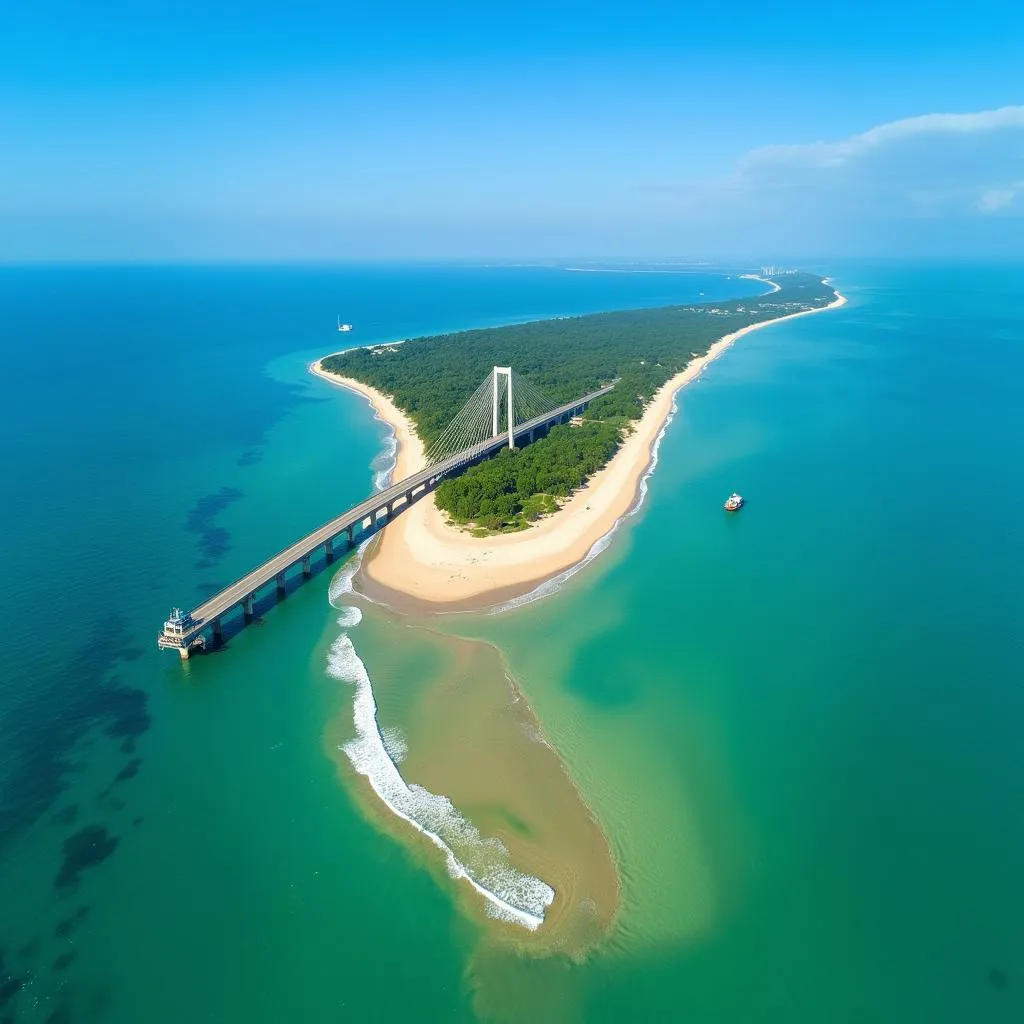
(421,564)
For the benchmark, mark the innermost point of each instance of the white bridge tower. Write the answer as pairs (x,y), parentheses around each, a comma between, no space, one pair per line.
(505,371)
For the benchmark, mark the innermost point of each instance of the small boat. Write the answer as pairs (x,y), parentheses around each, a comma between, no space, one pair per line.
(733,502)
(343,327)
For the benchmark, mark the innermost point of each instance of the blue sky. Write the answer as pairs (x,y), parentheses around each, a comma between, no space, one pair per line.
(159,130)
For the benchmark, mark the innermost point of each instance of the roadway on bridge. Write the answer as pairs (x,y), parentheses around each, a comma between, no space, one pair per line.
(249,584)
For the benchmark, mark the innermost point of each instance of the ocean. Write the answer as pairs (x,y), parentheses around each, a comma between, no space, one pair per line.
(796,728)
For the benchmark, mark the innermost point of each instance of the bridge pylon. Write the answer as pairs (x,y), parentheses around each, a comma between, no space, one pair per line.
(503,371)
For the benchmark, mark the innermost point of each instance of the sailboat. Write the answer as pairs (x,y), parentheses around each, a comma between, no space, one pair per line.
(343,327)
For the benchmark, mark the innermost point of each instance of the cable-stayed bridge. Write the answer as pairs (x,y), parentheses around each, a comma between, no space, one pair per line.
(506,410)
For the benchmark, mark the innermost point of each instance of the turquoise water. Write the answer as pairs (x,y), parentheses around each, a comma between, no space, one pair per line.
(799,725)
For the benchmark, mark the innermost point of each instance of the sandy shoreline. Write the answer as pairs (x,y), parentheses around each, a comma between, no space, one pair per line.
(420,563)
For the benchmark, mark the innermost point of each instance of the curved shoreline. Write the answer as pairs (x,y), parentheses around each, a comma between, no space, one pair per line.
(420,564)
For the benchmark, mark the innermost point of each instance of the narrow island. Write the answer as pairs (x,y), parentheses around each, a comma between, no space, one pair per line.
(506,525)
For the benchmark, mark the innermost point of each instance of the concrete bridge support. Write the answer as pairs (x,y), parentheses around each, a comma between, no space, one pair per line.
(355,525)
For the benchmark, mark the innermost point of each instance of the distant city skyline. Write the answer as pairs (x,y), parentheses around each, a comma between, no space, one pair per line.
(315,131)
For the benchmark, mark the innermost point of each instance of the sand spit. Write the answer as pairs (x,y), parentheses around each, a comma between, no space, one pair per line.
(421,563)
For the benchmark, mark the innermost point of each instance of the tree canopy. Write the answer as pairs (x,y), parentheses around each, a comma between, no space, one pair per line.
(431,378)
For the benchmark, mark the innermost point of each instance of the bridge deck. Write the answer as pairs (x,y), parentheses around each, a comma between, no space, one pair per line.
(206,614)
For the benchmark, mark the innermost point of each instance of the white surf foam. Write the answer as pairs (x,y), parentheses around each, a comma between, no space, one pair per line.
(394,743)
(384,463)
(350,616)
(510,894)
(341,585)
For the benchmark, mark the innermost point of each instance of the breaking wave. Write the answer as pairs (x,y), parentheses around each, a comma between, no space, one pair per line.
(383,464)
(341,585)
(350,616)
(395,744)
(510,894)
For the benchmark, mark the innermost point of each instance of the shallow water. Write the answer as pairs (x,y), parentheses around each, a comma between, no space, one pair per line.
(174,839)
(799,726)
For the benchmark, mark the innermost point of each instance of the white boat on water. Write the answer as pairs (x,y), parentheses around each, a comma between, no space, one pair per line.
(343,327)
(733,502)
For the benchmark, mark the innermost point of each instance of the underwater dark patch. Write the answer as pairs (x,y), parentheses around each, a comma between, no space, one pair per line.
(62,1015)
(136,822)
(40,741)
(129,771)
(250,457)
(63,962)
(85,849)
(206,588)
(213,540)
(997,977)
(66,816)
(9,988)
(126,711)
(66,926)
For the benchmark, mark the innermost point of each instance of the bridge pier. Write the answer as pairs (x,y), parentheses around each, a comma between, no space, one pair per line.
(355,525)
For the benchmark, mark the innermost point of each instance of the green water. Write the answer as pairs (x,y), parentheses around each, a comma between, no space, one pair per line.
(799,726)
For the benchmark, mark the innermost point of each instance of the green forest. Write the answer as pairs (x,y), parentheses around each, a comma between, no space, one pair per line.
(431,378)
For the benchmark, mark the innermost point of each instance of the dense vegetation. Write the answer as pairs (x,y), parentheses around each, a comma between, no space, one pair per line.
(431,378)
(517,487)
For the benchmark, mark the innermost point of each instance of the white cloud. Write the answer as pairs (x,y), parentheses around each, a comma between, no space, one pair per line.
(835,154)
(934,167)
(935,183)
(993,200)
